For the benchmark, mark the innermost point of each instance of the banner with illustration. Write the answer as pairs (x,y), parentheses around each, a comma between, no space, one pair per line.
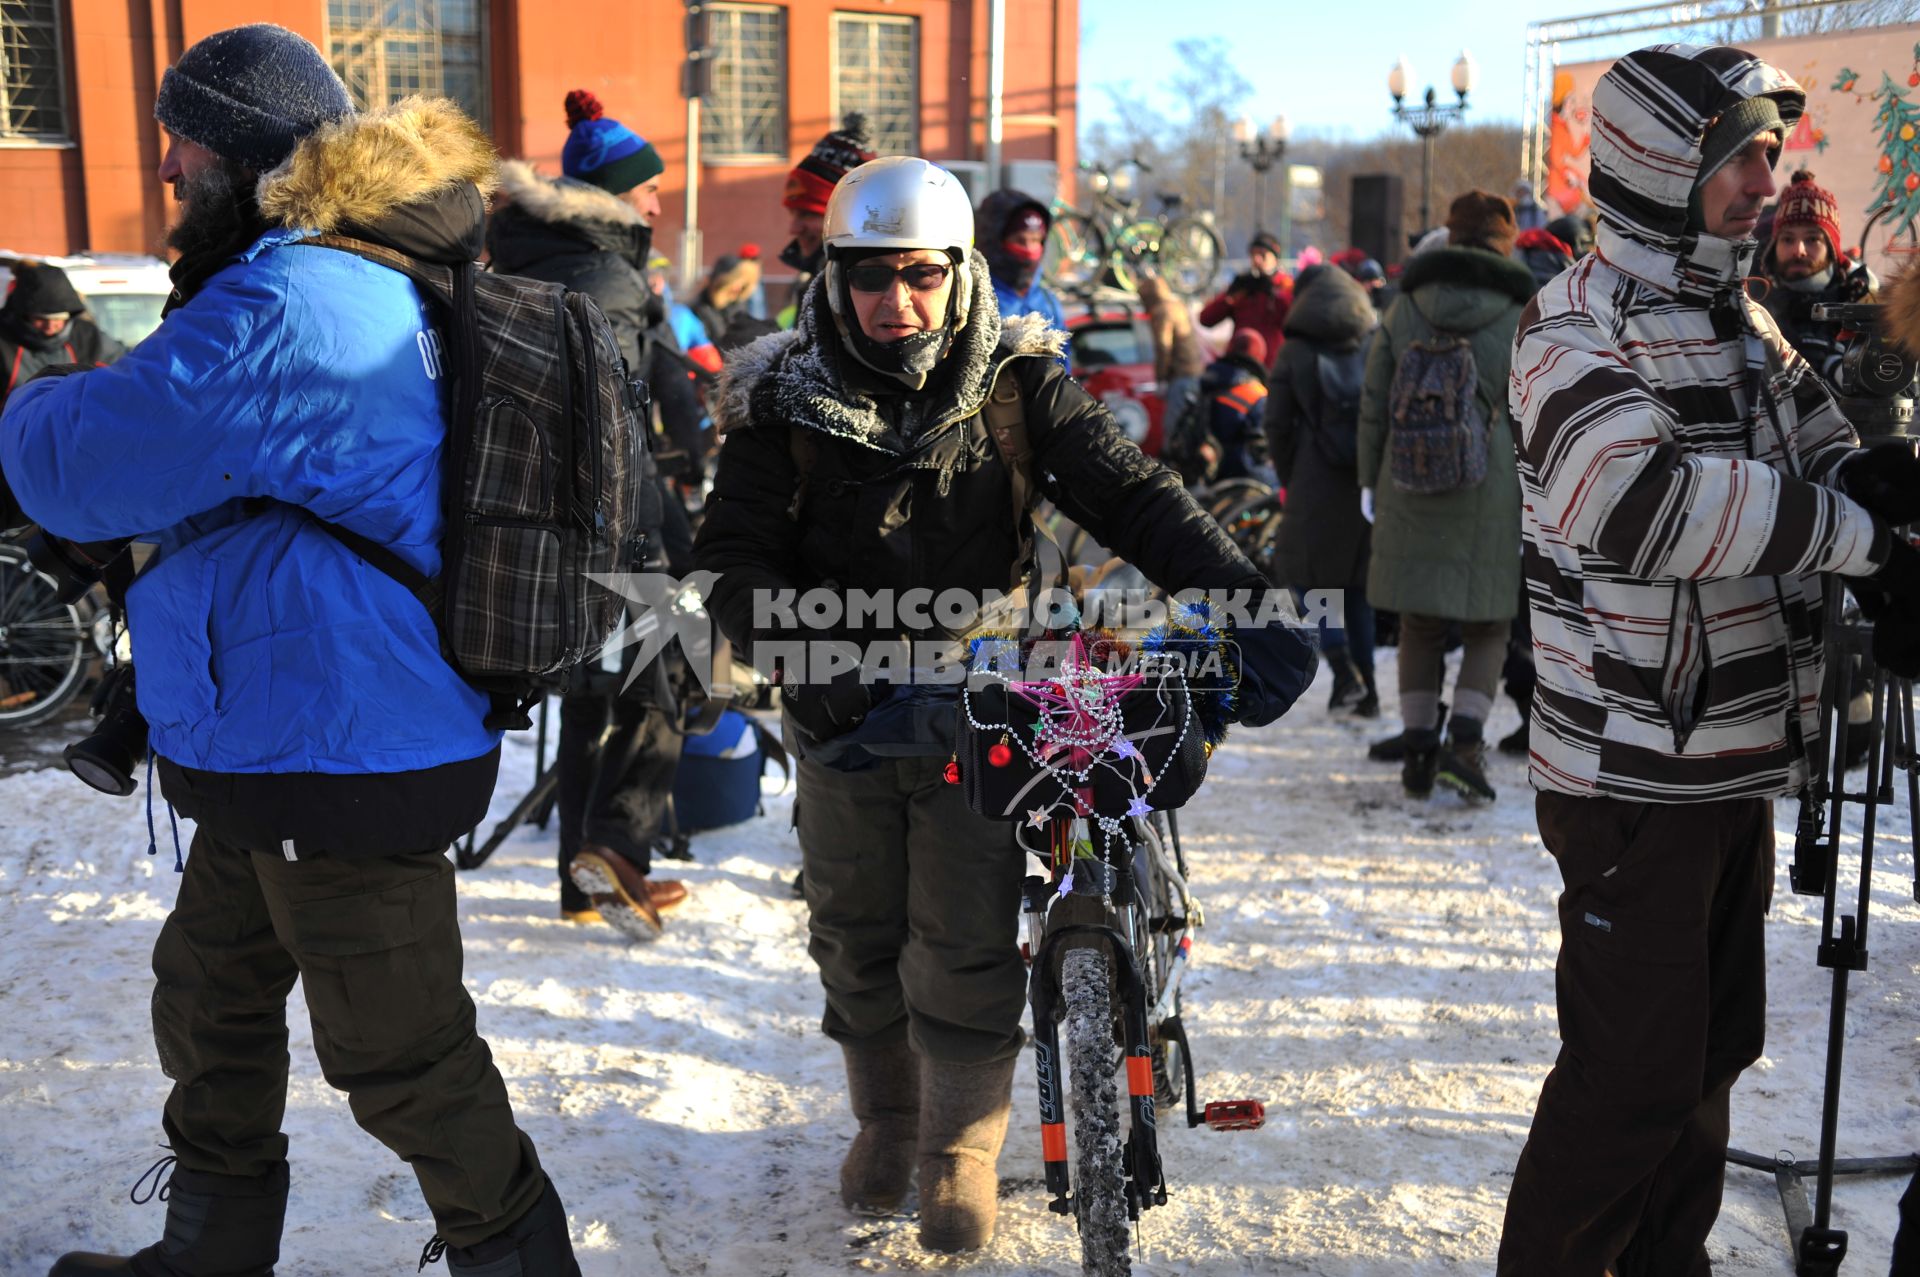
(1860,136)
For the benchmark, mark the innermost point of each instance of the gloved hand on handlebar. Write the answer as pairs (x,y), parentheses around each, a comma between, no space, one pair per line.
(826,707)
(1276,662)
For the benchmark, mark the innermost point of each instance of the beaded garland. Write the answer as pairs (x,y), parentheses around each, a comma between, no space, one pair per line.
(1079,722)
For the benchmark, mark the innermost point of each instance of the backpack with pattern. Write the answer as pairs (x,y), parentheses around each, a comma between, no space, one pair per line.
(1438,429)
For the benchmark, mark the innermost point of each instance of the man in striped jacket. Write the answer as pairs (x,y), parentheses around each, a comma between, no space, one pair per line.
(1686,481)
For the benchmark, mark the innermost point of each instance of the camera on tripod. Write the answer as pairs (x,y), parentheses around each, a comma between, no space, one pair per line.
(1875,383)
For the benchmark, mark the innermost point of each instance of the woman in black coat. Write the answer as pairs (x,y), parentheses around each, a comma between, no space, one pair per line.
(1313,409)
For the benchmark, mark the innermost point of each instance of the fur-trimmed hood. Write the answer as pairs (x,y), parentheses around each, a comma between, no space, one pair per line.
(362,171)
(561,199)
(802,377)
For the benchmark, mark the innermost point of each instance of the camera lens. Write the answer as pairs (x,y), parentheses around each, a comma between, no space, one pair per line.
(108,758)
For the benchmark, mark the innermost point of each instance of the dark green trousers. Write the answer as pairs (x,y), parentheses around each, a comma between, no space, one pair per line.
(377,944)
(914,911)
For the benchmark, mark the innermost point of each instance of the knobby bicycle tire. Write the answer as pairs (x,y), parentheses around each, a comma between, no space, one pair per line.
(44,648)
(1099,1187)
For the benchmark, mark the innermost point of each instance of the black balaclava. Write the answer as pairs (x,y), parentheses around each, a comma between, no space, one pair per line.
(911,359)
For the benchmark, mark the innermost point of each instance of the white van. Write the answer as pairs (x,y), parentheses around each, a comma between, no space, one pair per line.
(124,291)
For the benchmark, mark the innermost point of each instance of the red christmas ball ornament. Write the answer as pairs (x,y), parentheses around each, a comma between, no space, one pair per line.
(1886,164)
(1913,80)
(1913,181)
(999,755)
(951,772)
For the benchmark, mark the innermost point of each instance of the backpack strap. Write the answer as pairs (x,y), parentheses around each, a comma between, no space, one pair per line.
(1007,422)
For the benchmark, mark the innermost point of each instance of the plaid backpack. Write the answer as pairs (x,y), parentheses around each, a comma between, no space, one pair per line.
(548,479)
(1438,430)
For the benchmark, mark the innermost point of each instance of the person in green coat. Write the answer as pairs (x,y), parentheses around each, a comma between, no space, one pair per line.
(1452,558)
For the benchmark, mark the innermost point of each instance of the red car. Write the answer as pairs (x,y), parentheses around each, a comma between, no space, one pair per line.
(1110,353)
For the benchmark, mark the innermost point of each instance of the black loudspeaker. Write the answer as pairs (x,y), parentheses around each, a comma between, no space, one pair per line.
(1376,217)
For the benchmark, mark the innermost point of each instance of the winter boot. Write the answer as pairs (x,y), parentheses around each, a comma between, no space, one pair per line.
(1463,763)
(217,1226)
(1389,749)
(1419,761)
(1518,742)
(1348,689)
(883,1087)
(1368,706)
(535,1245)
(963,1119)
(623,895)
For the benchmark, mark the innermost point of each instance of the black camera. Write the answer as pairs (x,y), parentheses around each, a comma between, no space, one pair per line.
(108,759)
(1875,382)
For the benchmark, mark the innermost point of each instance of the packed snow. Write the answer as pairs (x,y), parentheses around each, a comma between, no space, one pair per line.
(1378,970)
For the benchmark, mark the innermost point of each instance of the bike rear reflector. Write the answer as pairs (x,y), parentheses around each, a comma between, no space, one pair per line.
(1236,1115)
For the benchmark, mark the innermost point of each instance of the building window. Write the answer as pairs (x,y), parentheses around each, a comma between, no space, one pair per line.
(744,114)
(33,99)
(876,71)
(388,49)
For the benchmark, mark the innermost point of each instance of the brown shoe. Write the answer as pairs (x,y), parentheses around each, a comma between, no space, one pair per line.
(619,892)
(963,1120)
(666,892)
(883,1088)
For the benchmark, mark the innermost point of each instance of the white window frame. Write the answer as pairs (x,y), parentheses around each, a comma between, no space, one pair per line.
(714,150)
(63,135)
(840,108)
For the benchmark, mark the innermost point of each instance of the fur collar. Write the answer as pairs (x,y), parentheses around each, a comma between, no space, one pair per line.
(1472,267)
(356,171)
(559,200)
(798,377)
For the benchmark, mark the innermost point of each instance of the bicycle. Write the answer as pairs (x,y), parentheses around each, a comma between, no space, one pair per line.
(46,645)
(1108,926)
(1113,241)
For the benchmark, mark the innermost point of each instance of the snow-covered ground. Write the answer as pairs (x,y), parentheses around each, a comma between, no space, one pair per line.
(1379,971)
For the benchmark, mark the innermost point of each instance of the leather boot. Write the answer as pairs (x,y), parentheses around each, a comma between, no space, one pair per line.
(963,1121)
(883,1087)
(217,1226)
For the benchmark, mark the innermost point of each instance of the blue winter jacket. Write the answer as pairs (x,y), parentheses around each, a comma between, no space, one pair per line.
(1037,300)
(308,377)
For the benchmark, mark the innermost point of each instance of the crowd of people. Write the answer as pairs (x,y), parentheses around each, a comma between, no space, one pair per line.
(1592,463)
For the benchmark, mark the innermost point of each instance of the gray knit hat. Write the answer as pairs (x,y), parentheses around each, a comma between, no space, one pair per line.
(249,94)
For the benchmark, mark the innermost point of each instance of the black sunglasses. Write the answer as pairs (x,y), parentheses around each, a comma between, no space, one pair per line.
(921,277)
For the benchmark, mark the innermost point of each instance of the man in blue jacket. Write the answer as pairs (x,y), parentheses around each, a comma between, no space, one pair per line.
(299,708)
(1010,228)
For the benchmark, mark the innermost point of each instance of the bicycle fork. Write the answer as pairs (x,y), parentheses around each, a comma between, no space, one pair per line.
(1079,920)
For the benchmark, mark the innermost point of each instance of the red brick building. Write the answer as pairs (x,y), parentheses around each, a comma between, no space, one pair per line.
(78,145)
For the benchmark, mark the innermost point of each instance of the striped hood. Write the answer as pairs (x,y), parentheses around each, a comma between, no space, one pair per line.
(1677,463)
(1651,112)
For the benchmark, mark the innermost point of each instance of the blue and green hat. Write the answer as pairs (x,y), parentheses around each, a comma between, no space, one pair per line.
(605,152)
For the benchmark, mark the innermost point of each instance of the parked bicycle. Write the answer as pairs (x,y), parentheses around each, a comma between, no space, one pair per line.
(1111,243)
(1091,763)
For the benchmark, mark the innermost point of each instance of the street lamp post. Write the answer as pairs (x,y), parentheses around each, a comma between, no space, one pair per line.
(1263,150)
(1429,120)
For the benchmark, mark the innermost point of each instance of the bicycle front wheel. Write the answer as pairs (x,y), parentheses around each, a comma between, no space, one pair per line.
(1190,255)
(1075,252)
(1100,1188)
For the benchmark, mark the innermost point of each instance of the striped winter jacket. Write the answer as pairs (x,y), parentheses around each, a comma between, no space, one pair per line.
(1676,458)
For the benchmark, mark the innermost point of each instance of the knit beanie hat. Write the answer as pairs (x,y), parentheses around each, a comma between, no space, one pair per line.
(39,289)
(813,178)
(1481,219)
(1727,135)
(1250,345)
(1806,204)
(249,94)
(605,152)
(1267,241)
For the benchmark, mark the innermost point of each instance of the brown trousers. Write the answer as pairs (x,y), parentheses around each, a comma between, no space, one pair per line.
(1661,988)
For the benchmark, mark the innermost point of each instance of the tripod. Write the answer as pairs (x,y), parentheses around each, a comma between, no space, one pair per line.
(1818,1247)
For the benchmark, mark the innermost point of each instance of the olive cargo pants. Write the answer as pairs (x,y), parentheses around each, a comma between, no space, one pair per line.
(914,906)
(376,943)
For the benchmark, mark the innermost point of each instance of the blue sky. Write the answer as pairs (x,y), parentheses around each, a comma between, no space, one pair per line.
(1322,63)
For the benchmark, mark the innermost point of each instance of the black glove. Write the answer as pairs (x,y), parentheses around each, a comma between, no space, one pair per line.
(1276,664)
(826,710)
(1886,480)
(1896,642)
(1899,577)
